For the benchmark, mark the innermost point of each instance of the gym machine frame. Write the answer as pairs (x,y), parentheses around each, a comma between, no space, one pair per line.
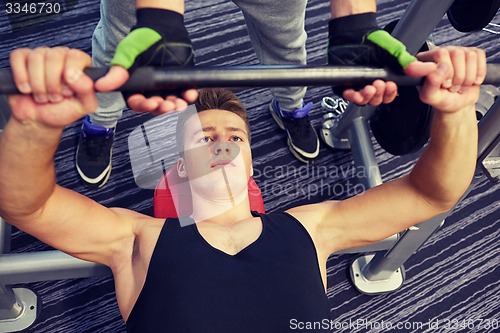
(379,271)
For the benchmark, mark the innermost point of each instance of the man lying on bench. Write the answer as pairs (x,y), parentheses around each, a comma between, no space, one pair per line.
(225,270)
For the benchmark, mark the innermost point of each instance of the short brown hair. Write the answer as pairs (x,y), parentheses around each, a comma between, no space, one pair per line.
(211,99)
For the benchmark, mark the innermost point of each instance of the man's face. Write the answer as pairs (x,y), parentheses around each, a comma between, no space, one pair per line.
(217,157)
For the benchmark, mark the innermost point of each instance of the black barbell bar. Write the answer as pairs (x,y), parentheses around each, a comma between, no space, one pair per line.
(155,78)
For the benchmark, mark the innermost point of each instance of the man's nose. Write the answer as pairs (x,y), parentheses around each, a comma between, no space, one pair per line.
(222,148)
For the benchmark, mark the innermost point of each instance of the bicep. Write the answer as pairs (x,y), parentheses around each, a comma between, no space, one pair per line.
(374,215)
(81,227)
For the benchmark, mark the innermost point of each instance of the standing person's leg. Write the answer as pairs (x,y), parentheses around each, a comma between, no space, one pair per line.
(94,152)
(276,29)
(339,8)
(351,21)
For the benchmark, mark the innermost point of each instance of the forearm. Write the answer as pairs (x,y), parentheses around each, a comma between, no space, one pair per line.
(27,176)
(339,8)
(173,5)
(445,169)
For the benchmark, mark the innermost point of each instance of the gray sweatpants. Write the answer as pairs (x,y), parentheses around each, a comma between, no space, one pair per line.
(276,30)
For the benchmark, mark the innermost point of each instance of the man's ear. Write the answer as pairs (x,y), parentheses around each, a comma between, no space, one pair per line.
(181,168)
(251,170)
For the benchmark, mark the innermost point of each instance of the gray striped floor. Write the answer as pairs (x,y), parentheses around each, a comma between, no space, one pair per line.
(452,280)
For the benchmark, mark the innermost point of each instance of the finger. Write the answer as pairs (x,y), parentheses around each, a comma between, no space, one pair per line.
(18,60)
(391,91)
(458,59)
(361,97)
(171,98)
(176,104)
(36,74)
(470,68)
(433,83)
(82,85)
(181,108)
(378,96)
(440,55)
(167,106)
(54,62)
(86,94)
(114,79)
(66,91)
(420,69)
(353,96)
(190,95)
(180,104)
(75,62)
(139,103)
(481,66)
(368,92)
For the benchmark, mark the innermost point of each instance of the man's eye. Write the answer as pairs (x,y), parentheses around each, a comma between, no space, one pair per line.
(205,139)
(235,138)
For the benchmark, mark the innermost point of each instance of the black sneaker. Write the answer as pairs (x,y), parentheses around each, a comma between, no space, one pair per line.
(302,138)
(93,154)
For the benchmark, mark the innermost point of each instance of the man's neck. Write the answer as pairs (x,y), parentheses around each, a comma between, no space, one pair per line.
(223,211)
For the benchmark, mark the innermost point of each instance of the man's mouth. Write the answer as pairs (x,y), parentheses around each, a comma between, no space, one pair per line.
(222,163)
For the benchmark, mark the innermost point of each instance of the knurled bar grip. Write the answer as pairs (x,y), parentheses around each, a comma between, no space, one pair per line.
(154,78)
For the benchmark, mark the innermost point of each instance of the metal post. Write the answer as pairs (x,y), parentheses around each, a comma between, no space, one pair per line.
(384,265)
(5,235)
(46,266)
(488,128)
(18,308)
(489,143)
(418,21)
(363,153)
(9,306)
(384,271)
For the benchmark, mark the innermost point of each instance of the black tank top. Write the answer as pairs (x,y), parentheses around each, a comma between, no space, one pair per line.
(273,285)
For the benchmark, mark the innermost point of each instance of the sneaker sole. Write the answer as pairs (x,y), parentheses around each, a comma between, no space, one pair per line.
(276,118)
(95,182)
(302,155)
(296,154)
(98,181)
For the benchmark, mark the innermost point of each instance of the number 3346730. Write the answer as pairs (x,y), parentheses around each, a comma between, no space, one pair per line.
(32,8)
